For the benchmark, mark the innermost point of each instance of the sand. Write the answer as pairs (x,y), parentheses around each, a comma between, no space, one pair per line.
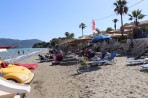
(109,81)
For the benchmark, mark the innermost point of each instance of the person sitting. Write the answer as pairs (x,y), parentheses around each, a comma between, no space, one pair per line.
(56,51)
(59,57)
(81,53)
(51,57)
(51,51)
(92,54)
(104,54)
(43,58)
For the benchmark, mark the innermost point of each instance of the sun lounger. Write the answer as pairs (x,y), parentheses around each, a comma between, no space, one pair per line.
(144,66)
(43,58)
(137,61)
(109,59)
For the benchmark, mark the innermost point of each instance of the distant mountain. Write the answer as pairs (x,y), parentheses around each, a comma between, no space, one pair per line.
(19,43)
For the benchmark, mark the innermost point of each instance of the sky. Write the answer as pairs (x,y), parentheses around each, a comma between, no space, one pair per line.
(48,19)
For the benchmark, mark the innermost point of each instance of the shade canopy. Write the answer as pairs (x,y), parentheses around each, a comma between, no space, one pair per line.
(124,32)
(100,38)
(130,27)
(81,40)
(114,35)
(114,31)
(66,41)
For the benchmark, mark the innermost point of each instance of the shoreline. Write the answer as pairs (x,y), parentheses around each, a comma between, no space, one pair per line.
(24,56)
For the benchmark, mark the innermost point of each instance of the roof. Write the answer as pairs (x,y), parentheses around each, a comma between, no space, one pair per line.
(119,32)
(144,22)
(116,35)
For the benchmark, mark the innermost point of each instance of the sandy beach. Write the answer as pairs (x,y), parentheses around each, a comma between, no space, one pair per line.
(109,81)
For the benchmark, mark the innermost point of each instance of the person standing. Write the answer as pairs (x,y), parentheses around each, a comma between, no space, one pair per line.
(23,51)
(18,52)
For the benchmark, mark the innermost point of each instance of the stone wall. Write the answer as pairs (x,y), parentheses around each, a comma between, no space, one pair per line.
(139,45)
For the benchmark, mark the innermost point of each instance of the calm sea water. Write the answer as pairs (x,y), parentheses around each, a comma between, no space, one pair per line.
(17,54)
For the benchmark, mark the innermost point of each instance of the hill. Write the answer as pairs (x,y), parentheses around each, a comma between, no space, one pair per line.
(20,43)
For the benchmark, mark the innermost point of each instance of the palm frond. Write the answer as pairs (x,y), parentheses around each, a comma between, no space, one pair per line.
(141,16)
(125,9)
(124,2)
(130,15)
(115,4)
(130,18)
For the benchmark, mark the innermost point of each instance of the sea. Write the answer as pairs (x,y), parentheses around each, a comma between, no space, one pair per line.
(17,54)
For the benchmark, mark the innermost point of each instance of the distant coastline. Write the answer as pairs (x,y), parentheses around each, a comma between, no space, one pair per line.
(19,43)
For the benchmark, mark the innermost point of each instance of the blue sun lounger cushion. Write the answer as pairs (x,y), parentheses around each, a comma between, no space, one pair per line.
(137,61)
(144,65)
(109,59)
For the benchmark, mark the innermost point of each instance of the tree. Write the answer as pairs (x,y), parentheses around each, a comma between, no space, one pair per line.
(71,35)
(115,21)
(82,26)
(136,14)
(121,9)
(54,41)
(109,29)
(67,34)
(41,45)
(98,30)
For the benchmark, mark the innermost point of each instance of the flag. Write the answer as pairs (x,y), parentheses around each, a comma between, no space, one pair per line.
(93,25)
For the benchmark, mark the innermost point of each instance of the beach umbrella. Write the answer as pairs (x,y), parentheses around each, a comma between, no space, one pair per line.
(100,38)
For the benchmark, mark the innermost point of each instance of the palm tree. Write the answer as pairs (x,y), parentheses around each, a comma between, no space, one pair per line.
(82,26)
(71,35)
(98,30)
(136,14)
(121,9)
(67,34)
(109,29)
(115,21)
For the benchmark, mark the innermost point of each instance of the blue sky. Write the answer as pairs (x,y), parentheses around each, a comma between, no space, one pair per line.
(47,19)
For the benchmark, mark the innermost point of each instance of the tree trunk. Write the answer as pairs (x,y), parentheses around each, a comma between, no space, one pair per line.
(121,25)
(82,32)
(136,22)
(115,26)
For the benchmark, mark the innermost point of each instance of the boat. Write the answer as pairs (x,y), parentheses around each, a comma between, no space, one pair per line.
(7,47)
(10,89)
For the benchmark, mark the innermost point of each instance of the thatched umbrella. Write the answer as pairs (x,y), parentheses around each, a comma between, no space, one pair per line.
(81,40)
